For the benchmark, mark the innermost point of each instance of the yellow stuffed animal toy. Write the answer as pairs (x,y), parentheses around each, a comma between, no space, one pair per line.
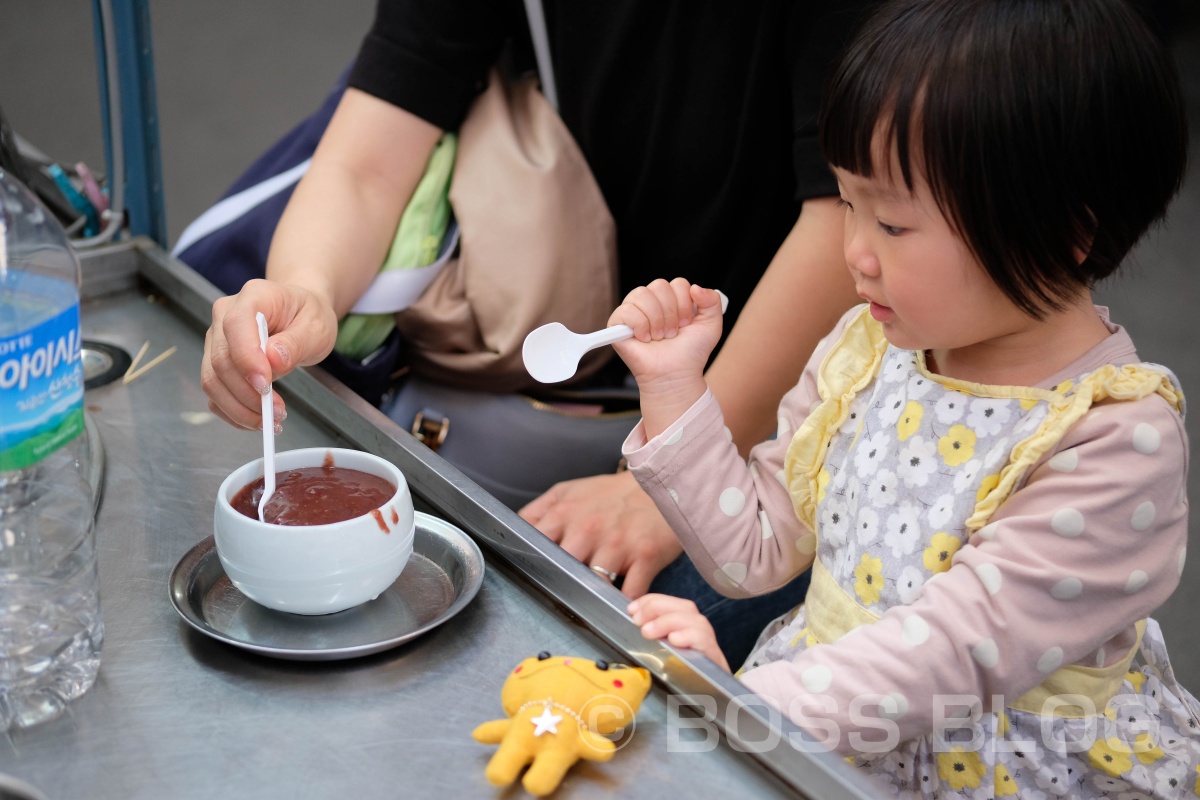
(557,710)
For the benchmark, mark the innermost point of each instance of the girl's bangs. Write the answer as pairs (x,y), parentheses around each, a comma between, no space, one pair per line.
(874,99)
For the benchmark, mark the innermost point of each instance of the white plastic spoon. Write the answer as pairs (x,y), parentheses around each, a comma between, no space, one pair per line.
(552,352)
(268,428)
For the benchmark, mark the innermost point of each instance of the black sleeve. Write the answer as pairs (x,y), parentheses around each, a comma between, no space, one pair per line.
(431,57)
(819,31)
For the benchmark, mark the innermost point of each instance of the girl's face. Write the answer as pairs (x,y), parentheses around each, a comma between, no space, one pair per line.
(924,285)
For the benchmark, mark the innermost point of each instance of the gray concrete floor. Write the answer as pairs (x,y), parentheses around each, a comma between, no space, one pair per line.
(233,76)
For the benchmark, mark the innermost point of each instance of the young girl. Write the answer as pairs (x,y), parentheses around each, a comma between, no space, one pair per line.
(987,483)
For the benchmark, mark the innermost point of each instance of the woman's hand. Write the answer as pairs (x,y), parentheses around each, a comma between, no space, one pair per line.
(675,326)
(235,372)
(607,521)
(679,622)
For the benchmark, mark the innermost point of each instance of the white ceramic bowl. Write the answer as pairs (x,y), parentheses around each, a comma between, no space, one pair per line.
(315,569)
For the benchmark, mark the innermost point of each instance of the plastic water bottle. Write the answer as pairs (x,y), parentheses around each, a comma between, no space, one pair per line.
(50,625)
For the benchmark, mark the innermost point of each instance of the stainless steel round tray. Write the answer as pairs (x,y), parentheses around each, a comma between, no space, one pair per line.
(439,580)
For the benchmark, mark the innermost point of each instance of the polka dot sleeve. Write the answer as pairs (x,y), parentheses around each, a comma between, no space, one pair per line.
(1091,543)
(734,517)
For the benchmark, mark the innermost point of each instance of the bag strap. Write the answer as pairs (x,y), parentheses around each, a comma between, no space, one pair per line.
(541,50)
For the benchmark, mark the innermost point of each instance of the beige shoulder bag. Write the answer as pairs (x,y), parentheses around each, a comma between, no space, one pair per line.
(538,245)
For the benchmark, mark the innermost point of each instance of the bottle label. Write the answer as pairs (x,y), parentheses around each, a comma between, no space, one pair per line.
(41,390)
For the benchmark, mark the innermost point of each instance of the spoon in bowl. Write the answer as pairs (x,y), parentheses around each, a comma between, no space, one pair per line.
(268,428)
(552,352)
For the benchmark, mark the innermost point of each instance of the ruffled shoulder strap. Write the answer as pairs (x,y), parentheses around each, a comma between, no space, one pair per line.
(1110,382)
(850,364)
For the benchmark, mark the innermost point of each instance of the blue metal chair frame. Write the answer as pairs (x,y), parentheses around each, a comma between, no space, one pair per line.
(143,180)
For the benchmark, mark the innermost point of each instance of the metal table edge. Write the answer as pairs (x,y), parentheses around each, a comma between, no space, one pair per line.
(748,722)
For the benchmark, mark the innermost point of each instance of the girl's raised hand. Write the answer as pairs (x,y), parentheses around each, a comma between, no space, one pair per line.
(675,326)
(677,620)
(663,312)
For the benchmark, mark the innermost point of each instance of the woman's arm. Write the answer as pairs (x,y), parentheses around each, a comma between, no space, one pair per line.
(798,300)
(326,250)
(340,222)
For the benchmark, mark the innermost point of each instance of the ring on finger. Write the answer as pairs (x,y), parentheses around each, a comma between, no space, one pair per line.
(607,573)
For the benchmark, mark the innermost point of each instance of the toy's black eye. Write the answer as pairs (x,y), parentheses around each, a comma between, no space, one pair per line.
(542,656)
(601,665)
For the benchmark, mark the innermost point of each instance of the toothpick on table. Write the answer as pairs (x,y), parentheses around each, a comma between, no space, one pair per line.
(133,374)
(134,364)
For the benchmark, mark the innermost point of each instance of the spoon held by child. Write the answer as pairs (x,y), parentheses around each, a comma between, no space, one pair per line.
(552,352)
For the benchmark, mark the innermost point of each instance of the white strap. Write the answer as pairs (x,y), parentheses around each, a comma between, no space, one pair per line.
(236,205)
(395,289)
(541,50)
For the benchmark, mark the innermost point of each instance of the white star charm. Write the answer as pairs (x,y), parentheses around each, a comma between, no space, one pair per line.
(546,722)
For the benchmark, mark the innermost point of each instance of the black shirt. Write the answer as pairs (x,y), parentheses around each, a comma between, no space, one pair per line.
(699,119)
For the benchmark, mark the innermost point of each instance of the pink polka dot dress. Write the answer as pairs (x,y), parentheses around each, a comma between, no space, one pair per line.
(984,560)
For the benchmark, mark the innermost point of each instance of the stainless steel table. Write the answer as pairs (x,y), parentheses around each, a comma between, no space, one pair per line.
(177,714)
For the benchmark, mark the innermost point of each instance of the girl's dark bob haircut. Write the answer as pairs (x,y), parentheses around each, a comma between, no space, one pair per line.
(1046,129)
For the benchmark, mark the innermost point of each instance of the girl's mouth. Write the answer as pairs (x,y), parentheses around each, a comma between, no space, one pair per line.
(881,313)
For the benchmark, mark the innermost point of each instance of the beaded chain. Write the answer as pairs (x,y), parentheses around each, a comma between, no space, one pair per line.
(549,702)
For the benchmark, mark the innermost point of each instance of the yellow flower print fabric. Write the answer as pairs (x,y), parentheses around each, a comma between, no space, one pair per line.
(957,445)
(868,579)
(961,769)
(940,551)
(926,454)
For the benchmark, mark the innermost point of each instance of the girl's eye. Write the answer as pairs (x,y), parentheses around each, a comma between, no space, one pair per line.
(891,230)
(844,204)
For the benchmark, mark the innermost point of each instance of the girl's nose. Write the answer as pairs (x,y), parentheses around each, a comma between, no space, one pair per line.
(860,256)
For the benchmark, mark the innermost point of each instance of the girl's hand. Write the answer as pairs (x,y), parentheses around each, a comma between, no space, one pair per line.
(675,326)
(680,320)
(679,622)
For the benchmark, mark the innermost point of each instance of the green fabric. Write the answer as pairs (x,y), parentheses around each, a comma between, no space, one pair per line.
(418,238)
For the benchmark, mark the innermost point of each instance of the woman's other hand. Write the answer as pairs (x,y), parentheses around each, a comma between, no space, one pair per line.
(607,521)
